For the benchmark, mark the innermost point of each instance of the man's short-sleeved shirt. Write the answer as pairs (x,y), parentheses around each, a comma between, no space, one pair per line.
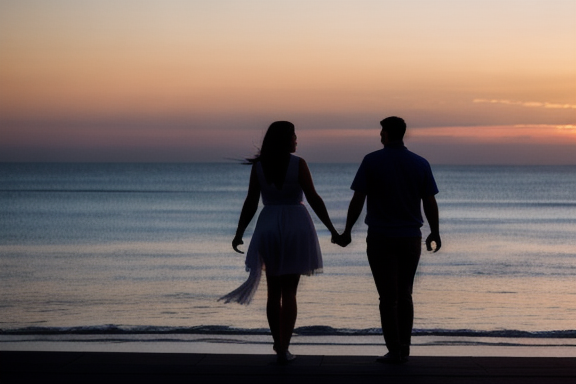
(395,181)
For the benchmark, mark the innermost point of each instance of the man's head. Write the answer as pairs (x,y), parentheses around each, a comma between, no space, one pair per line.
(393,128)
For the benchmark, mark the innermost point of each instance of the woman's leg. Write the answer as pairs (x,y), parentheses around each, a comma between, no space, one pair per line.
(289,309)
(273,308)
(281,308)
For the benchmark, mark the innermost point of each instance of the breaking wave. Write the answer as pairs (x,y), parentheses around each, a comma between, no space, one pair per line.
(318,330)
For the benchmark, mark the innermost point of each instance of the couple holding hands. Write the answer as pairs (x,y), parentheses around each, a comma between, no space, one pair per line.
(393,181)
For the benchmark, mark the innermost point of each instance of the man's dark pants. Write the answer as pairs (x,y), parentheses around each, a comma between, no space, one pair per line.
(393,261)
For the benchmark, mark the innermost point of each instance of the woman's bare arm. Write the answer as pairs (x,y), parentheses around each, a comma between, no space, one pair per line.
(315,201)
(248,209)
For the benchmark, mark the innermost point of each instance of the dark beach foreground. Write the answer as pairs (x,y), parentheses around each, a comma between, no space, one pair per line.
(110,367)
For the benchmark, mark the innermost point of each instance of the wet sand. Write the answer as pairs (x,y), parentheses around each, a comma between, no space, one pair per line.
(111,367)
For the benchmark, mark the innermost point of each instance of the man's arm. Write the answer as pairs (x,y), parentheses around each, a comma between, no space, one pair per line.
(354,211)
(431,211)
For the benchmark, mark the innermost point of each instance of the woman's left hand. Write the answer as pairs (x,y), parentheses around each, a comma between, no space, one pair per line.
(236,242)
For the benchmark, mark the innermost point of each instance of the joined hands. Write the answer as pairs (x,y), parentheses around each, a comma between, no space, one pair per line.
(342,240)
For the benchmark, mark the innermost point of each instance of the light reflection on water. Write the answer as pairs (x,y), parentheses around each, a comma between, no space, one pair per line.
(87,245)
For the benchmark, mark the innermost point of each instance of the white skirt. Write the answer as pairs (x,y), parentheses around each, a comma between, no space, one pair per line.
(284,242)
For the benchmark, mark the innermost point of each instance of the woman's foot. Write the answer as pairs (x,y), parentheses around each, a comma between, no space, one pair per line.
(284,357)
(392,358)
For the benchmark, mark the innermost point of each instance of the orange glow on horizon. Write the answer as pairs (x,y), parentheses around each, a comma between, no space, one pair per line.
(516,133)
(498,72)
(549,134)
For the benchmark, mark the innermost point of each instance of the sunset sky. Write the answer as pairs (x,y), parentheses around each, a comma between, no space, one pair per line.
(477,81)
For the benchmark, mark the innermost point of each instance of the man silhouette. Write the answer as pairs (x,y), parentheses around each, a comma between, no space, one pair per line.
(394,181)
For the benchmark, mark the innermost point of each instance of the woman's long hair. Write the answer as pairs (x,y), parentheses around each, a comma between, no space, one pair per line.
(275,152)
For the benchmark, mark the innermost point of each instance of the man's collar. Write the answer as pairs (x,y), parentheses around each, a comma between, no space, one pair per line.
(395,144)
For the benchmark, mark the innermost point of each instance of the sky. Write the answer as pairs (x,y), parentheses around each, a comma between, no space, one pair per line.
(477,81)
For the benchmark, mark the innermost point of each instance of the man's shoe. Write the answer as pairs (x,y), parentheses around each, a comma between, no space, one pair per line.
(405,350)
(392,358)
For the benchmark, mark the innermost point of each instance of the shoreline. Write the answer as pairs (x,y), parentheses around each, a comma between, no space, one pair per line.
(301,345)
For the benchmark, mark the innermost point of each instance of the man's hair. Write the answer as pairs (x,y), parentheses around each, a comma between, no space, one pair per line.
(395,126)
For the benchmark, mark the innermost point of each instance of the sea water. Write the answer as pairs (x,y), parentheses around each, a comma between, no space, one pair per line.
(145,249)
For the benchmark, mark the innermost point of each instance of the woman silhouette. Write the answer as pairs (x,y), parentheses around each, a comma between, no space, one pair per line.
(284,242)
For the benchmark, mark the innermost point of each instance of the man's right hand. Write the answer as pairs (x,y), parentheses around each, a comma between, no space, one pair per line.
(433,238)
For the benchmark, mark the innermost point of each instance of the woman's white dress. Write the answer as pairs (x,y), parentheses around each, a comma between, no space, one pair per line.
(284,240)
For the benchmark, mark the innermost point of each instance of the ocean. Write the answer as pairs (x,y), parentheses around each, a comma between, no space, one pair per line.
(141,252)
